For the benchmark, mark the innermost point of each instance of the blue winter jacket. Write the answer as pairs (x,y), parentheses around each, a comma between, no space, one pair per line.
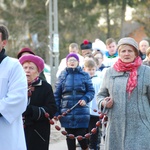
(74,85)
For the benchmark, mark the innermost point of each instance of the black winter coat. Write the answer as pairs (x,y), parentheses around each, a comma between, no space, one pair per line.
(74,85)
(36,125)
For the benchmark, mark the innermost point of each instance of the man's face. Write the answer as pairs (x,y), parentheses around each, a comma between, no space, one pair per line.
(2,42)
(86,52)
(73,50)
(143,46)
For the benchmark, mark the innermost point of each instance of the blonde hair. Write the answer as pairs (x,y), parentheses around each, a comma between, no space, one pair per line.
(74,45)
(109,41)
(90,63)
(148,51)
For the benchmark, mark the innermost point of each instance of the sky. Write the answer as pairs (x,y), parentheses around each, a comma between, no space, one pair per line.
(128,14)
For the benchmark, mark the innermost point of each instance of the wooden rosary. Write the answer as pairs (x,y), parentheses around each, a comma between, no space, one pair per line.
(102,120)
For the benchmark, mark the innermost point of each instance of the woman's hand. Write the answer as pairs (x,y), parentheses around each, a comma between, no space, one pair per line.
(82,102)
(107,102)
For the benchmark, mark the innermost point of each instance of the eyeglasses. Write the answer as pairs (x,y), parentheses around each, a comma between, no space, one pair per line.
(72,60)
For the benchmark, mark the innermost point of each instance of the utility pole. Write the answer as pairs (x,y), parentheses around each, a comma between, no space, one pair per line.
(53,39)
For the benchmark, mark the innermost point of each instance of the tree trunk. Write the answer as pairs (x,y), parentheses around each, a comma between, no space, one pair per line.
(108,20)
(123,11)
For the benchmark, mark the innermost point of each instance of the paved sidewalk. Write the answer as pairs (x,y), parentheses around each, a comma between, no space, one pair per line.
(59,145)
(57,140)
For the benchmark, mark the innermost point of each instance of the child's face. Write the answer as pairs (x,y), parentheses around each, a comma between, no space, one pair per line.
(100,58)
(112,48)
(90,70)
(72,62)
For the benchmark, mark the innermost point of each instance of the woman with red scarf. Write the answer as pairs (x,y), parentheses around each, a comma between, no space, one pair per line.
(40,101)
(125,96)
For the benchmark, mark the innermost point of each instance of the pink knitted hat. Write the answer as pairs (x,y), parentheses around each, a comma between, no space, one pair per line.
(38,61)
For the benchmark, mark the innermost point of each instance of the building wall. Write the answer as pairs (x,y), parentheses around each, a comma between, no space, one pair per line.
(139,34)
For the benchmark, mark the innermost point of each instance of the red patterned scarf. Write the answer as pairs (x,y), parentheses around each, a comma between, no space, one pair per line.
(30,87)
(132,68)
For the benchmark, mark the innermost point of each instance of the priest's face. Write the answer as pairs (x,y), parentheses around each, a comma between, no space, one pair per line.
(2,42)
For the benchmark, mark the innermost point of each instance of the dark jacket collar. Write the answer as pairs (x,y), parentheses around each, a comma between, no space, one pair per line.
(143,56)
(71,70)
(37,82)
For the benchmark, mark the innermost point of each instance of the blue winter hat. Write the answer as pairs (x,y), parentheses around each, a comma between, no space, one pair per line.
(72,55)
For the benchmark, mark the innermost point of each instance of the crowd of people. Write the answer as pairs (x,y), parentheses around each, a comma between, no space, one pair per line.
(112,78)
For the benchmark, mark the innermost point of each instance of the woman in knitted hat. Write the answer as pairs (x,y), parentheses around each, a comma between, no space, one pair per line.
(73,91)
(125,96)
(27,50)
(40,101)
